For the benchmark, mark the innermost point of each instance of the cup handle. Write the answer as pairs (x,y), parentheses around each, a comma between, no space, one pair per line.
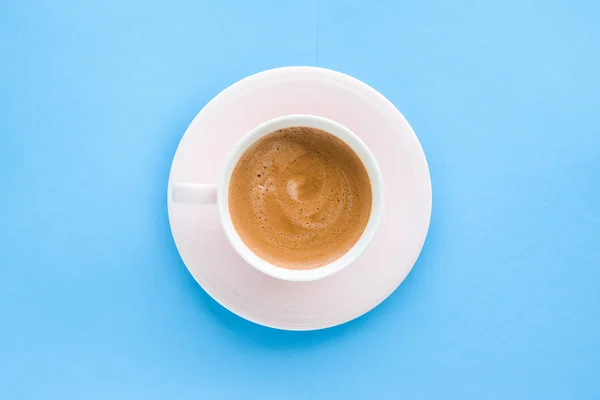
(194,193)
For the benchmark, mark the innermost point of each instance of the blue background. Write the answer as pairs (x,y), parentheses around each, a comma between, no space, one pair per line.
(504,302)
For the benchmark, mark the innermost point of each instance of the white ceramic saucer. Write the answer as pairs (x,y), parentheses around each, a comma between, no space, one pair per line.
(358,288)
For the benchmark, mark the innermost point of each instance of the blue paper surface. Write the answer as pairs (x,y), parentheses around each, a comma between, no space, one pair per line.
(504,302)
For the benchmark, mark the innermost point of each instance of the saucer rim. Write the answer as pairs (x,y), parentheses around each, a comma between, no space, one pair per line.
(286,326)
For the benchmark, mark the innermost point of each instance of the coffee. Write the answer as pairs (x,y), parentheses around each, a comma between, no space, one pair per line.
(300,198)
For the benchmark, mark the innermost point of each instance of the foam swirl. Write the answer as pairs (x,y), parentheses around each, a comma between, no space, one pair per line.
(300,198)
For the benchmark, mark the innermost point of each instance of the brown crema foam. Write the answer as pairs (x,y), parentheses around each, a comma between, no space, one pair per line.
(300,198)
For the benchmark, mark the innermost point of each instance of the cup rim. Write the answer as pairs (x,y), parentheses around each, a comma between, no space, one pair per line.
(364,154)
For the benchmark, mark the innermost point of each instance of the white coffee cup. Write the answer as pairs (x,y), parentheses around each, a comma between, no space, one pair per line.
(195,193)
